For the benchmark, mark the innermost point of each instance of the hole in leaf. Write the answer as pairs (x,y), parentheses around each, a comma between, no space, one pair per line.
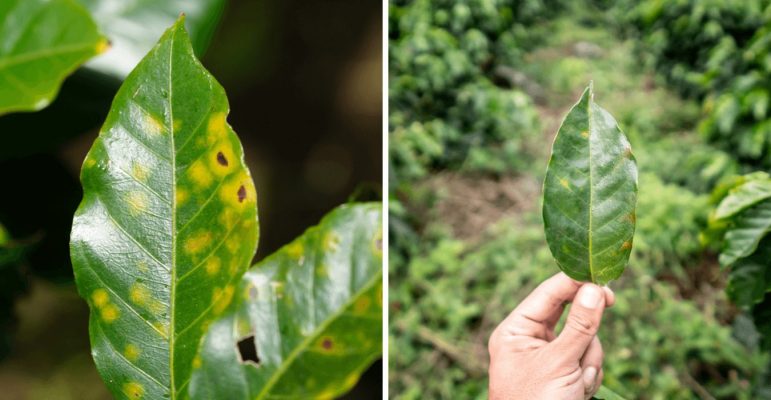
(241,193)
(247,351)
(221,159)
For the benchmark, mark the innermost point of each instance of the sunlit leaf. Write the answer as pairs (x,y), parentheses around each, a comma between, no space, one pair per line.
(743,196)
(590,193)
(746,231)
(167,225)
(311,314)
(41,42)
(603,393)
(134,26)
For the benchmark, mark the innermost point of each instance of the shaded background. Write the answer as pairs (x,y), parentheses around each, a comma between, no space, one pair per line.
(304,83)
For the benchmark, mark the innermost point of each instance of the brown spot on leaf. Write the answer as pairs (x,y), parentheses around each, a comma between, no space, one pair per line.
(241,194)
(221,159)
(327,343)
(626,245)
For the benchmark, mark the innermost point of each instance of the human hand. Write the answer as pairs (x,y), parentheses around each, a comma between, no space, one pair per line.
(528,360)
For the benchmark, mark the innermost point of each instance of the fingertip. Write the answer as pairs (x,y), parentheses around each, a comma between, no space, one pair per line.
(591,296)
(610,296)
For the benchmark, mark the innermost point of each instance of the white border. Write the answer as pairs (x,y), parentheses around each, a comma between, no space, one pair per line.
(385,196)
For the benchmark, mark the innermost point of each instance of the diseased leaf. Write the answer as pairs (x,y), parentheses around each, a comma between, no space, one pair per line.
(41,42)
(746,231)
(750,277)
(135,25)
(590,193)
(312,311)
(167,225)
(742,197)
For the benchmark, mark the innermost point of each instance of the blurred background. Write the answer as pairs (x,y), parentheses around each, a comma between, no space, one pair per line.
(477,91)
(304,83)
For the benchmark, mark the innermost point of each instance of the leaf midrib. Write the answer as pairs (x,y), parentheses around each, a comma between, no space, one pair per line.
(170,122)
(287,362)
(591,185)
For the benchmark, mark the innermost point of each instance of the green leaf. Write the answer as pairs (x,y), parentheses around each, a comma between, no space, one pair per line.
(135,25)
(742,197)
(167,225)
(746,231)
(603,393)
(313,310)
(41,42)
(590,192)
(750,277)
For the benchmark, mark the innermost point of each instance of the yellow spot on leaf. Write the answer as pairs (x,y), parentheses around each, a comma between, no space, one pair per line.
(585,134)
(200,175)
(177,125)
(626,245)
(295,250)
(162,328)
(133,390)
(632,217)
(131,352)
(137,202)
(217,127)
(197,242)
(222,298)
(181,196)
(90,162)
(362,304)
(102,46)
(213,265)
(326,344)
(228,218)
(100,297)
(234,266)
(110,313)
(222,160)
(238,192)
(331,241)
(197,362)
(139,172)
(139,294)
(564,183)
(153,125)
(233,243)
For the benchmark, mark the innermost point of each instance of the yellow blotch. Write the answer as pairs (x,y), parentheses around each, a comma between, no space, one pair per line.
(137,202)
(102,46)
(139,294)
(131,352)
(233,244)
(362,304)
(238,192)
(177,125)
(133,390)
(233,267)
(222,160)
(351,380)
(217,127)
(564,183)
(197,242)
(110,313)
(139,172)
(142,266)
(181,196)
(331,241)
(585,134)
(162,328)
(295,250)
(626,245)
(228,217)
(197,362)
(153,125)
(213,265)
(100,297)
(326,344)
(199,174)
(222,298)
(90,162)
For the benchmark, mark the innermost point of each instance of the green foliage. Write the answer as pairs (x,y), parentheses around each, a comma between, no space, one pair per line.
(316,303)
(41,42)
(590,193)
(744,214)
(167,225)
(134,26)
(447,110)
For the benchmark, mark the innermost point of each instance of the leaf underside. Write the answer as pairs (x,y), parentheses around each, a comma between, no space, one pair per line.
(590,193)
(167,225)
(314,310)
(119,19)
(41,42)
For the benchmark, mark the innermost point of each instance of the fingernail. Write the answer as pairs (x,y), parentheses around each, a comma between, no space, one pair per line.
(590,296)
(590,374)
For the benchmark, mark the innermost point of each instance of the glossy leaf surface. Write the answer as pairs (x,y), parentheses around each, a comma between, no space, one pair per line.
(313,310)
(746,231)
(750,277)
(41,42)
(590,193)
(134,26)
(744,196)
(167,225)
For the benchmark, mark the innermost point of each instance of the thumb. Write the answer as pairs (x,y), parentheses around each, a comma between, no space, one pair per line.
(582,322)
